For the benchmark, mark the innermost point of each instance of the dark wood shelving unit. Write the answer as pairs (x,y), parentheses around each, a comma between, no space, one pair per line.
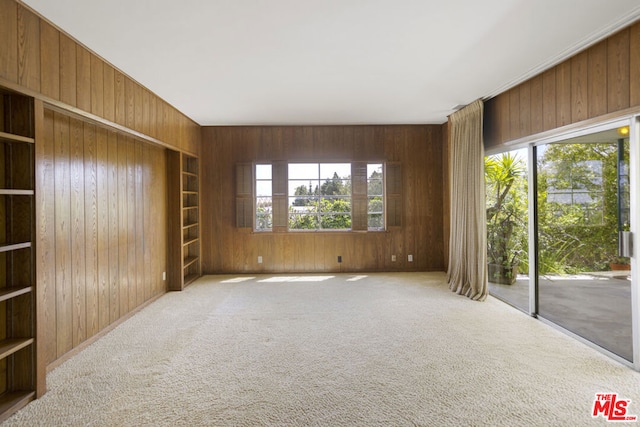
(18,379)
(184,236)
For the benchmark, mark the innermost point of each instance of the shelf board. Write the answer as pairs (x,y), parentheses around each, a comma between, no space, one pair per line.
(12,401)
(12,345)
(189,207)
(189,260)
(12,192)
(14,246)
(190,241)
(190,192)
(186,227)
(189,173)
(14,291)
(15,138)
(190,278)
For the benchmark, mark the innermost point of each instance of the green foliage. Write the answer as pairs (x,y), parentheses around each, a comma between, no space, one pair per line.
(506,211)
(578,235)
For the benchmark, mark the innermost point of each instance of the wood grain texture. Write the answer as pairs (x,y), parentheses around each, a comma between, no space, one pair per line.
(598,81)
(634,65)
(77,238)
(49,60)
(45,237)
(229,249)
(91,243)
(28,49)
(597,77)
(62,189)
(83,78)
(92,228)
(618,71)
(68,70)
(9,37)
(97,86)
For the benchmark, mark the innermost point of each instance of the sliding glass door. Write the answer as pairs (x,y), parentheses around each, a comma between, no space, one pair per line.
(583,213)
(507,228)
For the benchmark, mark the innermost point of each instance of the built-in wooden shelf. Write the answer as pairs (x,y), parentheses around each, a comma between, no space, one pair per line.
(184,235)
(14,291)
(12,401)
(10,137)
(189,241)
(12,192)
(12,345)
(21,379)
(188,261)
(14,246)
(190,278)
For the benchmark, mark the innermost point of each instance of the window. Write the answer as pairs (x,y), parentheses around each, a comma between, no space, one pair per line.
(264,198)
(319,196)
(375,197)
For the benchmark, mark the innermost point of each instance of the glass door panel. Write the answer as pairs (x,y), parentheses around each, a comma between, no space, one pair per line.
(584,285)
(507,227)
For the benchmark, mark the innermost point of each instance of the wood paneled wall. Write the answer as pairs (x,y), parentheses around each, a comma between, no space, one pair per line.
(602,79)
(101,228)
(418,149)
(44,61)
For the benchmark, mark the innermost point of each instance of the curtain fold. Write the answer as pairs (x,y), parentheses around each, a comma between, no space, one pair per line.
(467,273)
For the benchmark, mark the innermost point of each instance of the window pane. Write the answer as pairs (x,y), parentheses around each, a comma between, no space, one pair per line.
(303,221)
(300,187)
(263,188)
(263,171)
(375,193)
(303,171)
(330,170)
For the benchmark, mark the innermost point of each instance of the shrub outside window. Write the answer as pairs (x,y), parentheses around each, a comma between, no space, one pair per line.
(319,196)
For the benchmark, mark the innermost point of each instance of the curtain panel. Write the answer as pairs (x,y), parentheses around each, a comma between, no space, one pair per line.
(467,273)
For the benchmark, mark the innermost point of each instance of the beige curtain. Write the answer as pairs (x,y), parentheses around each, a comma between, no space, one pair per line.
(467,274)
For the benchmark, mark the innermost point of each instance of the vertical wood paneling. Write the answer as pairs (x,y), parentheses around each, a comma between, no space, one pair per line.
(525,108)
(579,78)
(563,94)
(49,60)
(109,93)
(77,238)
(129,103)
(68,70)
(123,225)
(120,99)
(597,75)
(91,244)
(83,78)
(9,37)
(114,224)
(537,114)
(634,65)
(102,206)
(139,223)
(28,49)
(549,98)
(97,86)
(618,71)
(514,114)
(46,243)
(130,206)
(227,248)
(62,188)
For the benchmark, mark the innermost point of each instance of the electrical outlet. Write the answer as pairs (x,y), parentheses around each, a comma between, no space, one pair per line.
(339,258)
(259,259)
(393,258)
(410,257)
(164,275)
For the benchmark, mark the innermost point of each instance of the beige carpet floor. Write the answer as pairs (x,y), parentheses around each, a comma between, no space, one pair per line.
(341,350)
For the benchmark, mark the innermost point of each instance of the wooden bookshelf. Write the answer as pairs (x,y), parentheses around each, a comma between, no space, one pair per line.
(18,374)
(184,222)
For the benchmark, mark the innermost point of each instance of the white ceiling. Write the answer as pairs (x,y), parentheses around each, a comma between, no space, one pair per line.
(254,62)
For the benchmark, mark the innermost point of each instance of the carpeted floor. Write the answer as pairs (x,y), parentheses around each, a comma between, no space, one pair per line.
(380,350)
